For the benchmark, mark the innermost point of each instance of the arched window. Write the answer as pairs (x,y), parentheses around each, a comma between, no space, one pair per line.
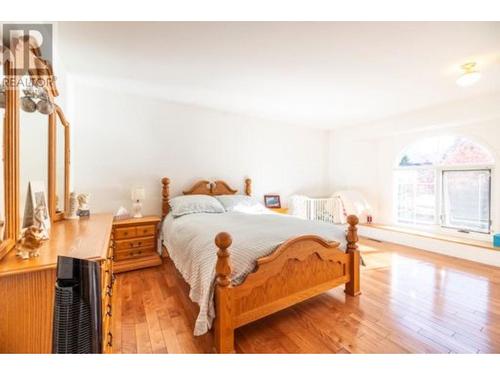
(445,181)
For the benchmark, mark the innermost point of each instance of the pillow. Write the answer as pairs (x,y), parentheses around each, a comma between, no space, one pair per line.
(241,203)
(193,204)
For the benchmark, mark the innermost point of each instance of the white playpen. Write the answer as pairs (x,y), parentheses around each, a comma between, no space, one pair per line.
(331,210)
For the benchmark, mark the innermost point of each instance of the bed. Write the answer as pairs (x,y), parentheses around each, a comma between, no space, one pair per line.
(291,260)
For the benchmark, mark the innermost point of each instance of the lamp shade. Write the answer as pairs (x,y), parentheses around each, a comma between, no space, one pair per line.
(138,194)
(468,79)
(470,75)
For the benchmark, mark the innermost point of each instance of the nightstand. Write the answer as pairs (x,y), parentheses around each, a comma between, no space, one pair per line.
(282,210)
(135,243)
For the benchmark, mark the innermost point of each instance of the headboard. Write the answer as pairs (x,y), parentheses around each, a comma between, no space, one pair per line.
(205,187)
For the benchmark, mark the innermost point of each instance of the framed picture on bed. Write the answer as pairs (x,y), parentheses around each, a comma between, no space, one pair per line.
(272,201)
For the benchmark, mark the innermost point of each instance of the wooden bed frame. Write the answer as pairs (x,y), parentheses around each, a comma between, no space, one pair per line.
(298,269)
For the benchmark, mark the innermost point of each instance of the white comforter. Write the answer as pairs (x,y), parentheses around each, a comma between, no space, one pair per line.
(190,243)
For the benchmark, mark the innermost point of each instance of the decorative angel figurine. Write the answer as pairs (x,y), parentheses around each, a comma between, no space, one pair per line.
(40,223)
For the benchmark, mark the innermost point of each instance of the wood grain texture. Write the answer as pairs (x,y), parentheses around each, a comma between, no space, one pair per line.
(203,187)
(11,162)
(52,186)
(135,242)
(300,268)
(413,302)
(26,312)
(85,238)
(27,286)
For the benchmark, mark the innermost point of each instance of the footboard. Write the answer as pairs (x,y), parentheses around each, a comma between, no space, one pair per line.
(300,268)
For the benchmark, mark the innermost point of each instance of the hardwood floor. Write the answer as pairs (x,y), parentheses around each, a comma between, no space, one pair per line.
(412,302)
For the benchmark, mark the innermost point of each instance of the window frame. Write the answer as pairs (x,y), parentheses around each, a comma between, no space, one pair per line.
(490,196)
(439,197)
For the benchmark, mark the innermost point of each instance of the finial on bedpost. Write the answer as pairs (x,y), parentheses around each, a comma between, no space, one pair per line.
(223,268)
(352,287)
(248,186)
(165,196)
(352,232)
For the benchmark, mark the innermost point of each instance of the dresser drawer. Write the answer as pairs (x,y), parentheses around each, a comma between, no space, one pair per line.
(134,253)
(127,232)
(134,243)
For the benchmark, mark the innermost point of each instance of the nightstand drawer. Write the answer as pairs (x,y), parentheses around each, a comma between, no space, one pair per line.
(134,244)
(127,232)
(134,253)
(146,230)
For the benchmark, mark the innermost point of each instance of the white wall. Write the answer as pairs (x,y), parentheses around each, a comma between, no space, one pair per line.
(122,138)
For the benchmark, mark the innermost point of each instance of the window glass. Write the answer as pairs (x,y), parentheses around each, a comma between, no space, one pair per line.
(438,182)
(416,199)
(466,200)
(449,150)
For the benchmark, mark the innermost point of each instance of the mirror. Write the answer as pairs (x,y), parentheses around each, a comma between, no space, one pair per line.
(35,146)
(33,157)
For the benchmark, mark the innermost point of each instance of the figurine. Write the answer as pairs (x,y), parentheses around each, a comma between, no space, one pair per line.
(83,204)
(71,214)
(29,245)
(40,223)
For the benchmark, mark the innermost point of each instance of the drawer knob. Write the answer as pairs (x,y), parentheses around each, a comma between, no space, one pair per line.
(109,311)
(110,339)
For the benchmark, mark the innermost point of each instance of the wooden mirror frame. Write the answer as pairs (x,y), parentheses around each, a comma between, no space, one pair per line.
(11,146)
(11,164)
(52,183)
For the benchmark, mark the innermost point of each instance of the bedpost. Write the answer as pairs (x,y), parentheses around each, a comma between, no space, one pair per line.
(248,186)
(353,287)
(224,331)
(165,196)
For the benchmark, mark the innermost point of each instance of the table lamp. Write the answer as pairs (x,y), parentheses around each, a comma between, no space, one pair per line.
(138,195)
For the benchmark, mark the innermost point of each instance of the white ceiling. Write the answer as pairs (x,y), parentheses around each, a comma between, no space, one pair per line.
(319,74)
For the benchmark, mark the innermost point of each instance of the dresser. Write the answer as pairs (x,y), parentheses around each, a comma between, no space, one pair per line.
(136,243)
(27,286)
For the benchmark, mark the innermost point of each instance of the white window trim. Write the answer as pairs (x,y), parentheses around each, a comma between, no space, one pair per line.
(437,226)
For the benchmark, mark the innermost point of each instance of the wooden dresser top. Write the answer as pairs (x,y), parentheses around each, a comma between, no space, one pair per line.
(84,238)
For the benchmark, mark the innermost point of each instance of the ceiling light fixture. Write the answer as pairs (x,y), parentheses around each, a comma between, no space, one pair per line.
(469,76)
